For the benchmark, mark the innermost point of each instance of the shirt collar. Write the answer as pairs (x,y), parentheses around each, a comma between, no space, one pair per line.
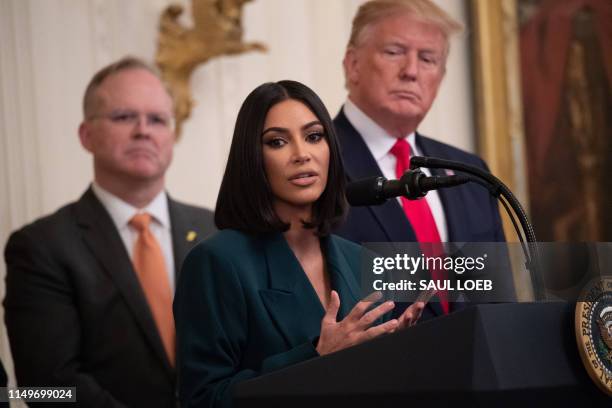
(122,212)
(378,140)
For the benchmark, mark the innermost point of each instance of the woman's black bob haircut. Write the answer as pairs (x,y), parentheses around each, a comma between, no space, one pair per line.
(245,198)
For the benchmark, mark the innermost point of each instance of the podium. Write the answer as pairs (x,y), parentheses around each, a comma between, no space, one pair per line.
(486,355)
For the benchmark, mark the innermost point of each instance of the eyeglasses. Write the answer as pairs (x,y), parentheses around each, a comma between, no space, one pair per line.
(156,120)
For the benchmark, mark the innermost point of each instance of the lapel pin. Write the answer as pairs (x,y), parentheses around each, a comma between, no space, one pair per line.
(191,235)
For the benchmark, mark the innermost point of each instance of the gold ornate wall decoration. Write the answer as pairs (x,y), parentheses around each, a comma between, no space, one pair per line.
(498,99)
(498,93)
(217,31)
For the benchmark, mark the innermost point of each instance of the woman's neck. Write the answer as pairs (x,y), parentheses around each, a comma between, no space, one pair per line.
(301,240)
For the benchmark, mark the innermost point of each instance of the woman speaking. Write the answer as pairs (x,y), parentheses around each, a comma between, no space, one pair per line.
(273,287)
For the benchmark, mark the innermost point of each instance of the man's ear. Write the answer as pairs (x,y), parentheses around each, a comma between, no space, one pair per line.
(85,136)
(351,66)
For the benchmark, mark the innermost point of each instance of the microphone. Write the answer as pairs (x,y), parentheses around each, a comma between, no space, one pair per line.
(413,185)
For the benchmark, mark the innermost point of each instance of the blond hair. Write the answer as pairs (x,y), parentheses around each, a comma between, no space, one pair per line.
(373,11)
(124,64)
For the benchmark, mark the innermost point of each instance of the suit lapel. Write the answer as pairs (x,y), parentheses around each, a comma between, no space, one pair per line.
(185,234)
(291,300)
(102,238)
(342,279)
(359,163)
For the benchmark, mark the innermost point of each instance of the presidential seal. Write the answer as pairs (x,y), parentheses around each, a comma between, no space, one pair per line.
(593,324)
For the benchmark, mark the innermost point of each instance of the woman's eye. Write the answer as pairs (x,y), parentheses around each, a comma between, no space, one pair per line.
(314,137)
(276,142)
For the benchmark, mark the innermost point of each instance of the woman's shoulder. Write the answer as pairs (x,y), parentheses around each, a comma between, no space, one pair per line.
(226,250)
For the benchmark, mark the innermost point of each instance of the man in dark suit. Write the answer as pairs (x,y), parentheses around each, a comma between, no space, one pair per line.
(89,288)
(394,64)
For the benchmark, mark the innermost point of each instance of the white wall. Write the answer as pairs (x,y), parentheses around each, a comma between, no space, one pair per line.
(306,40)
(50,48)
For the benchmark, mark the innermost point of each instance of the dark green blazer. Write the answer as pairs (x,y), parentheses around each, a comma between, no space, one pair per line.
(244,307)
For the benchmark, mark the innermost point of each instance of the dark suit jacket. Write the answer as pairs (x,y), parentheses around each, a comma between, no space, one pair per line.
(76,314)
(244,306)
(3,377)
(3,383)
(471,213)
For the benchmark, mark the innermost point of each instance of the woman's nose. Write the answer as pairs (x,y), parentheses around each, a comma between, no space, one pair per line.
(301,153)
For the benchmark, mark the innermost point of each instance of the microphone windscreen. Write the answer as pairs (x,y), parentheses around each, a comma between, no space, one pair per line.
(365,192)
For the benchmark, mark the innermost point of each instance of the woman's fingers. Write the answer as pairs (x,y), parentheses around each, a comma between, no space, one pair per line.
(331,314)
(412,314)
(362,307)
(371,316)
(383,328)
(357,325)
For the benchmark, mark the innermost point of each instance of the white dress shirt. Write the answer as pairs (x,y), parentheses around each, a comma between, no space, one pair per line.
(122,212)
(380,143)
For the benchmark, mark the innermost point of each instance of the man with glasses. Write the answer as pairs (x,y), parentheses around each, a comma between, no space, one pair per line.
(90,288)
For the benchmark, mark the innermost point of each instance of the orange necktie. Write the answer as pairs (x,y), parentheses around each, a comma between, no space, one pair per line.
(150,267)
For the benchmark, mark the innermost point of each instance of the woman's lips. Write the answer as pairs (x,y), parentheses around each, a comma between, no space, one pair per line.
(304,179)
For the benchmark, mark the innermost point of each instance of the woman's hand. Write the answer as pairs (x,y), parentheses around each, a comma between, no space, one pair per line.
(411,315)
(355,328)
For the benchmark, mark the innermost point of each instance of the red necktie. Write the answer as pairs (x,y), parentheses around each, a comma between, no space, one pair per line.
(151,270)
(420,217)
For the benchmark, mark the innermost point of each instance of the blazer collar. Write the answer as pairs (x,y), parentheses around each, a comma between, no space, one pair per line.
(103,240)
(291,300)
(343,280)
